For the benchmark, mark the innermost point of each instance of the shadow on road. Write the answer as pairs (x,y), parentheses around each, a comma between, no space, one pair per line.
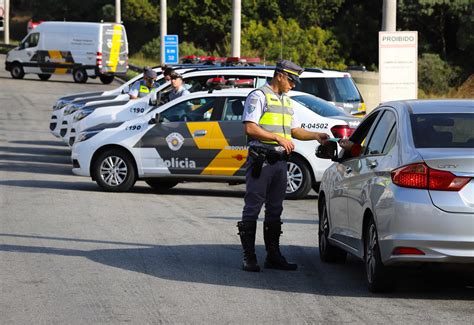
(42,143)
(285,220)
(220,265)
(43,151)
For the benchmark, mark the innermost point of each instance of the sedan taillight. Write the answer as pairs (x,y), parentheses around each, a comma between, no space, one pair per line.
(421,176)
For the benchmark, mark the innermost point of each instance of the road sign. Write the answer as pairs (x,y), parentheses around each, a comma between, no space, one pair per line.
(398,65)
(171,49)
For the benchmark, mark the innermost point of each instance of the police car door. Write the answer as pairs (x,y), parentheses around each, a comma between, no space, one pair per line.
(229,140)
(181,138)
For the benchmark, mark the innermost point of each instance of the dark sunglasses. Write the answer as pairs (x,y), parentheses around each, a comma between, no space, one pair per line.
(291,81)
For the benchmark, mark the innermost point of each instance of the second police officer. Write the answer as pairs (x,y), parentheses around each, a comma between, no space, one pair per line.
(270,124)
(143,87)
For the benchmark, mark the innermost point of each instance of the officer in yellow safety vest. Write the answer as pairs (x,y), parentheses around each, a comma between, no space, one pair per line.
(270,126)
(143,87)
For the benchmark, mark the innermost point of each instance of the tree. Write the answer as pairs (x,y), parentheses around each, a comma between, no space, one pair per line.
(286,39)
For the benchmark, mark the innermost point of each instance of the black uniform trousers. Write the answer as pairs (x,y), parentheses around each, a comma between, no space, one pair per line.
(269,188)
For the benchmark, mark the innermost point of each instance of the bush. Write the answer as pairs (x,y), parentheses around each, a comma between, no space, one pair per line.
(435,76)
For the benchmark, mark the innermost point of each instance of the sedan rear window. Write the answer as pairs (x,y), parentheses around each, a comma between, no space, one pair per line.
(453,130)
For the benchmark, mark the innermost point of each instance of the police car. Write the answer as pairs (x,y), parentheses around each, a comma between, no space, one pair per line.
(333,86)
(198,137)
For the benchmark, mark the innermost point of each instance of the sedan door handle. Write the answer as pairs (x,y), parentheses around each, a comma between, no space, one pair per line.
(348,170)
(200,133)
(373,163)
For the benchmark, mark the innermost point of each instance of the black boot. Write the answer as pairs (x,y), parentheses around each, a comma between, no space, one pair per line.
(247,231)
(274,260)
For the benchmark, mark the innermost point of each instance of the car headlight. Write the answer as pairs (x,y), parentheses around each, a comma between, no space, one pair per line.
(81,114)
(86,135)
(72,108)
(60,104)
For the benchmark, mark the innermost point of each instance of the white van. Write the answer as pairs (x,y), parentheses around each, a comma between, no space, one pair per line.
(83,49)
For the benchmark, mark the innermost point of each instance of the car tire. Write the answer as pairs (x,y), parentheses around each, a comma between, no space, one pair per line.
(17,71)
(106,79)
(80,76)
(379,277)
(114,171)
(161,185)
(299,178)
(327,252)
(44,76)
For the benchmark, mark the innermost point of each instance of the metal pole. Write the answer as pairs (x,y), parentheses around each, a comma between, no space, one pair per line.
(6,22)
(389,16)
(163,29)
(236,26)
(118,14)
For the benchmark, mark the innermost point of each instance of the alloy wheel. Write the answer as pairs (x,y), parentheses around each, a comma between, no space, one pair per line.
(113,170)
(295,177)
(371,251)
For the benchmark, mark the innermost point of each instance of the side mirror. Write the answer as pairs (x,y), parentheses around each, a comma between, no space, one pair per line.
(155,120)
(125,90)
(327,151)
(153,99)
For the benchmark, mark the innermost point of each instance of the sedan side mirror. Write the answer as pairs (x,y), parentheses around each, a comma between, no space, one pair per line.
(125,90)
(153,99)
(155,120)
(327,151)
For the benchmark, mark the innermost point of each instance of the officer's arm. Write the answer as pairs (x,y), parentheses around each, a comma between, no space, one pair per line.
(302,134)
(256,132)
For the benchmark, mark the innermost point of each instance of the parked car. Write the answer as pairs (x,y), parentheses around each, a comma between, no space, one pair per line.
(408,197)
(198,137)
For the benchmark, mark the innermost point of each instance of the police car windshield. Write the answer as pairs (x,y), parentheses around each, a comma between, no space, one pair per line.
(319,106)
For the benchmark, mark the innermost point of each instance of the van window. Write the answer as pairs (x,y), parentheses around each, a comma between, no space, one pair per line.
(31,41)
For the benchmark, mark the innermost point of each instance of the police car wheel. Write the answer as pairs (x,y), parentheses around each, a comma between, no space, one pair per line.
(161,185)
(106,79)
(114,171)
(299,178)
(327,252)
(44,76)
(17,71)
(79,76)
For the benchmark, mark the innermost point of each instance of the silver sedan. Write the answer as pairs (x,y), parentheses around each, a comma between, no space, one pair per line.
(402,189)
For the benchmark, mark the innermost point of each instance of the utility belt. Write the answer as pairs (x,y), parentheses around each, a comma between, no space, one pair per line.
(260,155)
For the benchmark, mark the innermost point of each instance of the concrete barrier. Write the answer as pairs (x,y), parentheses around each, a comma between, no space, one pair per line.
(368,84)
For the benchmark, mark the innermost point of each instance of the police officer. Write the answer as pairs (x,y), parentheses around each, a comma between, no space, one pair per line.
(178,87)
(270,125)
(143,87)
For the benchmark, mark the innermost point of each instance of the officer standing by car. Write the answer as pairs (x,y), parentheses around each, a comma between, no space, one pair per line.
(143,87)
(270,125)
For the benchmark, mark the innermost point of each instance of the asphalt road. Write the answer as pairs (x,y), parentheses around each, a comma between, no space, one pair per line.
(71,254)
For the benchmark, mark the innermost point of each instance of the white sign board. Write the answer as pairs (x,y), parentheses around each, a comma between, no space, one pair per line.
(398,65)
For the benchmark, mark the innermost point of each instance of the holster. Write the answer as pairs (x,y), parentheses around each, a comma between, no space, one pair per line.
(258,158)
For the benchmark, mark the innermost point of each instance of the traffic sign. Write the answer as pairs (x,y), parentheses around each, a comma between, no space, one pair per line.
(171,49)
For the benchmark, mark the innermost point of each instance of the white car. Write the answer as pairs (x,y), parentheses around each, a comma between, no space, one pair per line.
(333,86)
(198,137)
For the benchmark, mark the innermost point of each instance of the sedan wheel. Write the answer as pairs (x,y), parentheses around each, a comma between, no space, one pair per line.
(299,178)
(379,277)
(114,171)
(327,252)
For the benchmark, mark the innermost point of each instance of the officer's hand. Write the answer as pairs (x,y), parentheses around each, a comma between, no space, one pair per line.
(287,144)
(321,137)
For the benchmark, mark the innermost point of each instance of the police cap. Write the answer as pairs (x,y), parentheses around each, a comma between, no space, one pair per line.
(293,71)
(150,73)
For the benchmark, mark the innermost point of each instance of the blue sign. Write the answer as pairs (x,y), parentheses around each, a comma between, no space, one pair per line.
(171,49)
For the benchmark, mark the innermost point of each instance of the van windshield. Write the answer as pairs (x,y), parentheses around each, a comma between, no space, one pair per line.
(341,90)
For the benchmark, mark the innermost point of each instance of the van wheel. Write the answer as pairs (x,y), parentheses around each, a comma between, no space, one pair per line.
(114,171)
(80,76)
(379,277)
(299,178)
(106,79)
(161,185)
(17,71)
(44,76)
